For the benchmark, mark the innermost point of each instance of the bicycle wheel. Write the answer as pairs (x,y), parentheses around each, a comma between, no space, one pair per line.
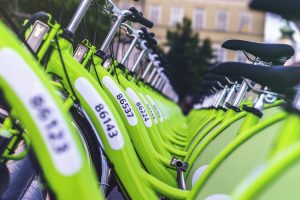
(26,181)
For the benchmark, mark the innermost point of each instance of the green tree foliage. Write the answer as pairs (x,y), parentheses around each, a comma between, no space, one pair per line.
(188,58)
(62,10)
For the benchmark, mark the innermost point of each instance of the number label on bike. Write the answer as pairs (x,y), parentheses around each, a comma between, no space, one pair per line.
(164,110)
(149,108)
(46,115)
(118,94)
(140,107)
(102,111)
(156,108)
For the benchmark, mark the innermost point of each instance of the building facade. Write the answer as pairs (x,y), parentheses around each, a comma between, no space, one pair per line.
(218,20)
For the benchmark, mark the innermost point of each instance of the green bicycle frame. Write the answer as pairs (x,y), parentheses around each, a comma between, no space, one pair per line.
(283,156)
(56,146)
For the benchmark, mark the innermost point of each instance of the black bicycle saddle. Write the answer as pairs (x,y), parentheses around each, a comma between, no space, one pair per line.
(278,78)
(274,53)
(286,8)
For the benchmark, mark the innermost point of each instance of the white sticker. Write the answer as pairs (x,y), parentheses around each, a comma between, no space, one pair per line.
(140,106)
(218,197)
(122,100)
(163,108)
(102,111)
(149,108)
(156,108)
(43,110)
(198,173)
(93,127)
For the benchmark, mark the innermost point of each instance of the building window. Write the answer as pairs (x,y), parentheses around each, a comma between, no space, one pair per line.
(176,15)
(199,18)
(155,14)
(245,23)
(221,20)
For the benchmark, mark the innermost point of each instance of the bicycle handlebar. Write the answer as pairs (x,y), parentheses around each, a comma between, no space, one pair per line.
(148,37)
(139,18)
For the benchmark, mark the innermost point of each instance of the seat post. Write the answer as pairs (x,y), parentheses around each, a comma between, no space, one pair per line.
(229,95)
(240,95)
(222,96)
(260,102)
(217,99)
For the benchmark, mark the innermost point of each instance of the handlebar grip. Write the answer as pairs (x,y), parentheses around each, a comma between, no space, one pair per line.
(138,17)
(148,36)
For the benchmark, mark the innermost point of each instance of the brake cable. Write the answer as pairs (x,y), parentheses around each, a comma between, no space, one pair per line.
(85,27)
(65,69)
(95,25)
(83,31)
(118,44)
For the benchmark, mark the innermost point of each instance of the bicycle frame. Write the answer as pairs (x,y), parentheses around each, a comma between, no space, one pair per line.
(283,156)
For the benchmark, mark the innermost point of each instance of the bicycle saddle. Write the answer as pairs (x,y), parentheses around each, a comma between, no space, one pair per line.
(278,78)
(275,53)
(287,8)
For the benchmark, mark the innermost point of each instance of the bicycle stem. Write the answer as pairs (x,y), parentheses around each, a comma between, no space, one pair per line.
(157,77)
(112,32)
(161,80)
(160,87)
(156,80)
(79,14)
(147,69)
(136,64)
(130,48)
(152,75)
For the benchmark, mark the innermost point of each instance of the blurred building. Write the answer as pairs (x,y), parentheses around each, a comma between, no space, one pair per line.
(218,20)
(277,30)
